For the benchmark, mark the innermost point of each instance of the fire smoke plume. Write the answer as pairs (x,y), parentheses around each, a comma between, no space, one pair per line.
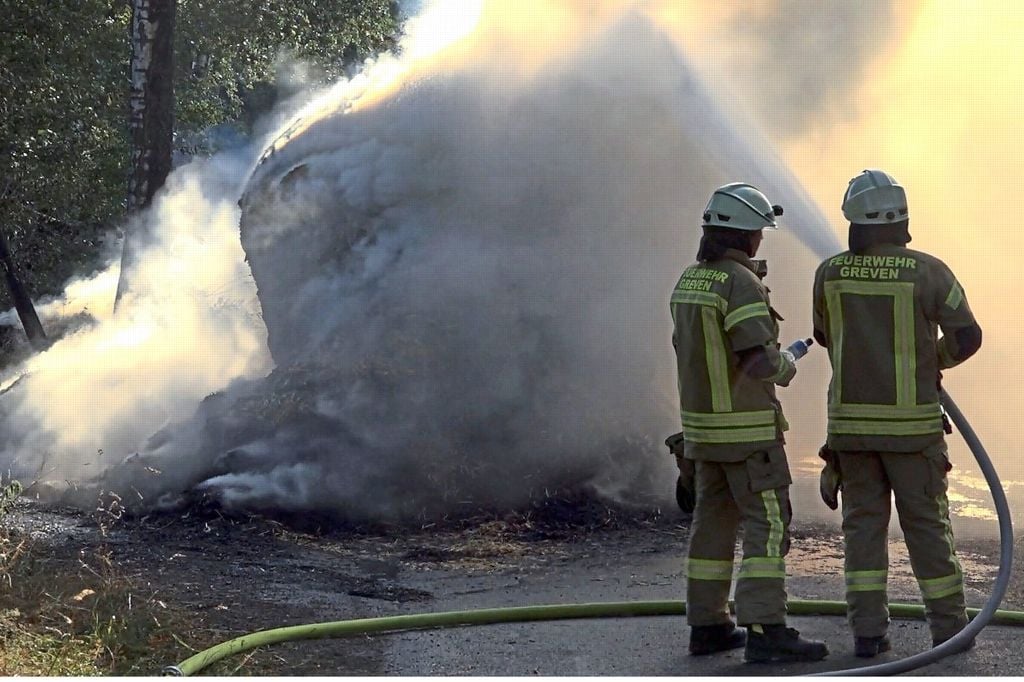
(463,259)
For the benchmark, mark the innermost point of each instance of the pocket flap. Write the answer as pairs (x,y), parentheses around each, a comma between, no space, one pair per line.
(768,469)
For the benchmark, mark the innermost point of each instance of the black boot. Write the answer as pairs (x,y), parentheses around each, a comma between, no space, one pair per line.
(779,644)
(869,647)
(710,639)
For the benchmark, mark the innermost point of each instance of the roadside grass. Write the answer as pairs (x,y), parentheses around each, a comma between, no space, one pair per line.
(71,606)
(66,611)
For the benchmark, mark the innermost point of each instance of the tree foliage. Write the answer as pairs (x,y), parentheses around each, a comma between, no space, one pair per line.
(227,49)
(63,69)
(64,156)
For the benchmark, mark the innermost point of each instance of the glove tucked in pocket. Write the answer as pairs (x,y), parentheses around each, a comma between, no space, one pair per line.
(686,494)
(686,491)
(830,482)
(675,443)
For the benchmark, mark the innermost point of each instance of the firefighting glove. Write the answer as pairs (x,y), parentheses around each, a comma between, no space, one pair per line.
(686,494)
(829,483)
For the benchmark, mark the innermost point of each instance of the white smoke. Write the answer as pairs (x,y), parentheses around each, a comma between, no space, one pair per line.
(188,326)
(463,265)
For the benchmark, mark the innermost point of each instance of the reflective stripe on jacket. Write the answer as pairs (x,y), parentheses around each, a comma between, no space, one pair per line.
(720,308)
(879,313)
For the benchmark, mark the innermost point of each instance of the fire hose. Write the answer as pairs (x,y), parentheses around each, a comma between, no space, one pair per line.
(956,643)
(990,613)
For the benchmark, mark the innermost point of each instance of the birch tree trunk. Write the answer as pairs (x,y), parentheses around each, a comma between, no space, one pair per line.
(151,111)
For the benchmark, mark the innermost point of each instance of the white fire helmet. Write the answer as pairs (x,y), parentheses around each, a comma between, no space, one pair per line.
(739,206)
(875,198)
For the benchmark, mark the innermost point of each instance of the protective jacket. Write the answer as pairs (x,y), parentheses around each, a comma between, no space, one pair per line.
(727,352)
(878,313)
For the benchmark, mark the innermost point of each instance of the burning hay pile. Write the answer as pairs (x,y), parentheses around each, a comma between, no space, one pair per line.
(461,264)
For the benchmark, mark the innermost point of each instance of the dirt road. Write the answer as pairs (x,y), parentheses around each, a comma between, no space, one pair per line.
(238,576)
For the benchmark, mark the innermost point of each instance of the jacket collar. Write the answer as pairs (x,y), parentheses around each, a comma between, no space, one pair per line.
(741,258)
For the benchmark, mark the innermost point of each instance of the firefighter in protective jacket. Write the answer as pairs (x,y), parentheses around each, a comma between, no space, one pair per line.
(729,362)
(877,309)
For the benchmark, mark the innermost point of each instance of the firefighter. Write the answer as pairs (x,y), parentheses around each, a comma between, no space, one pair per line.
(729,362)
(877,309)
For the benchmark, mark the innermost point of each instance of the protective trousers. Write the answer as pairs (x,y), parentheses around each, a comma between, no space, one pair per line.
(755,493)
(918,481)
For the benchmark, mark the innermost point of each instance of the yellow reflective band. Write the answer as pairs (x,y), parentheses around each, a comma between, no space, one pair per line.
(860,288)
(708,569)
(700,298)
(715,357)
(949,591)
(867,587)
(834,306)
(892,412)
(944,581)
(936,588)
(866,581)
(763,567)
(747,572)
(730,435)
(956,296)
(904,347)
(711,563)
(720,419)
(884,428)
(769,561)
(943,503)
(745,312)
(774,516)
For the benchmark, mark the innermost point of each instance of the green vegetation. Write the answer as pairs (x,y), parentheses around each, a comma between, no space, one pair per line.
(64,163)
(74,613)
(58,618)
(64,155)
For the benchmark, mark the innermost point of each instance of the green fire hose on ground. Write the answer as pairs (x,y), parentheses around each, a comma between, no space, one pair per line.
(516,614)
(990,613)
